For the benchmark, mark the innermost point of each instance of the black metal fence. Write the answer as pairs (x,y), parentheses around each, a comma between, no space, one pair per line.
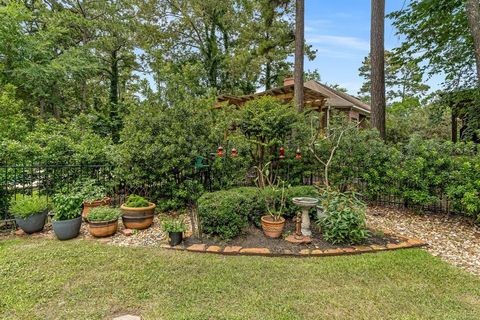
(18,180)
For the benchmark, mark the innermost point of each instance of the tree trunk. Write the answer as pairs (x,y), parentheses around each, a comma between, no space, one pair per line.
(299,53)
(377,52)
(473,13)
(114,75)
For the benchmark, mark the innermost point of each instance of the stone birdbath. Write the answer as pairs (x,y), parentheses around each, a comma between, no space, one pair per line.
(305,204)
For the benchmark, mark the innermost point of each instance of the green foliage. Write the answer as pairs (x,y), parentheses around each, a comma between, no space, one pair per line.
(345,219)
(424,171)
(103,214)
(23,206)
(437,31)
(135,201)
(13,124)
(226,213)
(90,190)
(173,225)
(66,206)
(403,80)
(463,188)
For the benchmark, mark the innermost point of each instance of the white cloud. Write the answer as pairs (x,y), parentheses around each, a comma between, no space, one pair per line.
(347,42)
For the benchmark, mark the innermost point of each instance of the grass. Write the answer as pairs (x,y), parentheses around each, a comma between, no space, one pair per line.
(45,279)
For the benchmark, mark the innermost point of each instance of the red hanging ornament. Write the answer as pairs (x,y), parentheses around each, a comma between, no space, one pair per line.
(282,153)
(298,154)
(220,152)
(234,153)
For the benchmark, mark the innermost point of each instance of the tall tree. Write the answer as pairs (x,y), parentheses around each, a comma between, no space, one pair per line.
(377,52)
(299,53)
(403,79)
(473,14)
(436,33)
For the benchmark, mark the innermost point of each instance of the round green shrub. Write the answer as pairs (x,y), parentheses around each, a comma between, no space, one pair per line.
(134,201)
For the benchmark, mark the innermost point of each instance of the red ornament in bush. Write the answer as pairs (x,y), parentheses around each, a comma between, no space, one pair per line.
(234,153)
(282,153)
(220,152)
(298,154)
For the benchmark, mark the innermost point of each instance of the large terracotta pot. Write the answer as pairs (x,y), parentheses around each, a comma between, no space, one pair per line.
(102,228)
(137,218)
(87,206)
(272,228)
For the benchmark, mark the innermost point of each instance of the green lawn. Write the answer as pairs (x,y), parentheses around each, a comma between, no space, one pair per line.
(42,279)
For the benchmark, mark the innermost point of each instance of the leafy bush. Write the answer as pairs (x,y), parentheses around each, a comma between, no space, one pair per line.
(90,190)
(135,201)
(103,214)
(67,206)
(173,225)
(424,171)
(345,220)
(28,205)
(226,213)
(464,187)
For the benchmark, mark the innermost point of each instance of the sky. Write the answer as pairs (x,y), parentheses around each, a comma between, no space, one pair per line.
(340,32)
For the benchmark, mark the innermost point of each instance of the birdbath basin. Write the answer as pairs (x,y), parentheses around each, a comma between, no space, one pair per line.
(305,204)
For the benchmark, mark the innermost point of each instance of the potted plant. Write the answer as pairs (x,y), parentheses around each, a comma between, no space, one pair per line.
(93,195)
(103,221)
(67,217)
(274,195)
(273,223)
(30,212)
(175,229)
(137,212)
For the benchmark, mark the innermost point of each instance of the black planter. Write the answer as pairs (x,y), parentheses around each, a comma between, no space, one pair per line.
(67,229)
(175,238)
(33,223)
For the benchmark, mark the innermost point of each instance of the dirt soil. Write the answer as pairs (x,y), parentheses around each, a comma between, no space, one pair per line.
(253,237)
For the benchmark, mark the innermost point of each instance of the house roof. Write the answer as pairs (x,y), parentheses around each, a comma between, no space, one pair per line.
(316,95)
(312,97)
(338,99)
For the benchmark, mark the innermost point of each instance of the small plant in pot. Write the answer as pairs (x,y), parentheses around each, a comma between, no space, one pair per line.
(137,212)
(93,194)
(30,212)
(103,221)
(275,201)
(175,228)
(67,217)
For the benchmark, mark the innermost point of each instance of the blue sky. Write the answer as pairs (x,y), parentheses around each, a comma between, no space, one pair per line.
(340,31)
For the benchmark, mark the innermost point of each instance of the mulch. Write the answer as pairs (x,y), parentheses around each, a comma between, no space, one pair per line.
(253,237)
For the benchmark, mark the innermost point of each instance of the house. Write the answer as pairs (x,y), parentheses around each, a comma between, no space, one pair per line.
(318,96)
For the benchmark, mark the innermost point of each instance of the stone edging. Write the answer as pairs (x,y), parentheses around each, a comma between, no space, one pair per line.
(404,243)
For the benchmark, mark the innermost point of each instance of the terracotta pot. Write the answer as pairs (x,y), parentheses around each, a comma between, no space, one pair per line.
(102,228)
(272,228)
(87,206)
(137,218)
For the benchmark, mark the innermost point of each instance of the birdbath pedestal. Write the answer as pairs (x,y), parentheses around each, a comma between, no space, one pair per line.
(305,204)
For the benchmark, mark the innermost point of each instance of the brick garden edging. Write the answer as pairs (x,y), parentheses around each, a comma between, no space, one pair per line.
(405,243)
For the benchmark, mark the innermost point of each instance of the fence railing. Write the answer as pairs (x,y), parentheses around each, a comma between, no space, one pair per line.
(18,180)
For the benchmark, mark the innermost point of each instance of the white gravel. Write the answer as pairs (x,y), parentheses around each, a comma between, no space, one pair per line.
(452,238)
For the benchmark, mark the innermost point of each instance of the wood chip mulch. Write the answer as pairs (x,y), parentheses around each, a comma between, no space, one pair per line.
(452,238)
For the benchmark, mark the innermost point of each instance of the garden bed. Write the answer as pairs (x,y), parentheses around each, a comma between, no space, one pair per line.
(253,237)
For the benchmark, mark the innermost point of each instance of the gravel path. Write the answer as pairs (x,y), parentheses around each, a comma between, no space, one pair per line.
(452,238)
